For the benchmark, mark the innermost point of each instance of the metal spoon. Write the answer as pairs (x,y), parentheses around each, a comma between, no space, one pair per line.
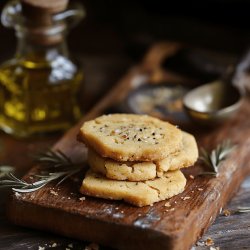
(212,103)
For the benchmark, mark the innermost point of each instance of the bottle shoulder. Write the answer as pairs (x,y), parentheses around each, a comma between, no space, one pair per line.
(59,70)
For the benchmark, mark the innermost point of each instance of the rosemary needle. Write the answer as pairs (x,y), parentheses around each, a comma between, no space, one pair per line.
(56,164)
(216,156)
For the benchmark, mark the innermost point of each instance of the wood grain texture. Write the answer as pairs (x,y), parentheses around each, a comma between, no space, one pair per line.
(231,232)
(117,224)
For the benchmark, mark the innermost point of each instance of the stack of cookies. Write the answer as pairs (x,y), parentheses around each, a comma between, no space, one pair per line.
(135,158)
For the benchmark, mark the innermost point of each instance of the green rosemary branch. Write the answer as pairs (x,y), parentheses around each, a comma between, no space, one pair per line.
(216,156)
(57,166)
(53,158)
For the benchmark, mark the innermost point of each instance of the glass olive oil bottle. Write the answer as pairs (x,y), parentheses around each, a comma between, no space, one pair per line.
(39,86)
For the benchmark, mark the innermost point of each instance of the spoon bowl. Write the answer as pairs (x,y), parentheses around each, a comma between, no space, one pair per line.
(212,103)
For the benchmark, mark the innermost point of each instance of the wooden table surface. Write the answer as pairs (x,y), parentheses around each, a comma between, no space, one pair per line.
(231,232)
(103,70)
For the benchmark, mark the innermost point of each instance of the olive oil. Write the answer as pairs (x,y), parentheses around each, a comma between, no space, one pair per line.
(38,96)
(39,86)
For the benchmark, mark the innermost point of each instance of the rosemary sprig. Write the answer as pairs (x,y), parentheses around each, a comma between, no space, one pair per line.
(57,166)
(54,158)
(216,156)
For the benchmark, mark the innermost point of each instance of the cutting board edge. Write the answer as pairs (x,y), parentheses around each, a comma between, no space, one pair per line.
(128,240)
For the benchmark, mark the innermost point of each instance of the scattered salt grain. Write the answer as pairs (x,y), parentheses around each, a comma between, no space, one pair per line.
(200,189)
(82,198)
(54,245)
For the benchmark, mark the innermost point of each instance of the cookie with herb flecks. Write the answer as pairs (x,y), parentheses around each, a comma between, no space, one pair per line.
(129,137)
(137,193)
(142,171)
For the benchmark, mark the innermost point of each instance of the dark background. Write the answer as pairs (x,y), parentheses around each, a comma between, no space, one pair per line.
(129,27)
(120,32)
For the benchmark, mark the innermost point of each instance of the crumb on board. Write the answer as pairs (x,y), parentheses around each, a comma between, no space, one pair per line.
(191,176)
(200,189)
(92,246)
(82,198)
(185,198)
(226,212)
(167,204)
(54,244)
(209,241)
(53,192)
(41,248)
(170,210)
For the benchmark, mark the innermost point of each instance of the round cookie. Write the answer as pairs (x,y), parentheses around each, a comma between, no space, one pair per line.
(141,171)
(187,156)
(131,171)
(137,193)
(129,137)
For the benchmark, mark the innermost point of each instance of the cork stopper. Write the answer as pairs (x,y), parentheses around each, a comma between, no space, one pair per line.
(38,14)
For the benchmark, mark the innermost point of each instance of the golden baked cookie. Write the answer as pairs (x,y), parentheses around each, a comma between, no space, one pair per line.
(129,137)
(131,171)
(187,156)
(137,193)
(142,171)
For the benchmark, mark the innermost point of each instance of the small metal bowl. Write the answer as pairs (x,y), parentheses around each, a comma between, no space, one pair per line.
(160,100)
(212,103)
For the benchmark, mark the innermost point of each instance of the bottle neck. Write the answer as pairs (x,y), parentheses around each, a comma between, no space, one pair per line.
(32,51)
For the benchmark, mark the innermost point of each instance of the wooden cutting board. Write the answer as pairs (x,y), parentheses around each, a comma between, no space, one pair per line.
(58,209)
